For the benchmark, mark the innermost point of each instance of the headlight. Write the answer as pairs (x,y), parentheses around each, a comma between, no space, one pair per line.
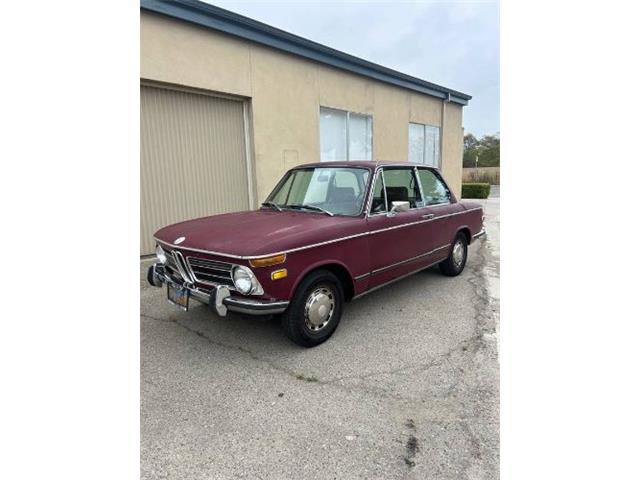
(245,281)
(162,257)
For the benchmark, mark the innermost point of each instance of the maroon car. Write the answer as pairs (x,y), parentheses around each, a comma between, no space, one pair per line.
(329,232)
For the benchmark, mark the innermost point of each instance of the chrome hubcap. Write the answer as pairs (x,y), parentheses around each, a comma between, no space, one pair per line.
(319,308)
(458,253)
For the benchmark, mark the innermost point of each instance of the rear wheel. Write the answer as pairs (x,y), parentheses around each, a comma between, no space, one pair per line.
(454,264)
(315,311)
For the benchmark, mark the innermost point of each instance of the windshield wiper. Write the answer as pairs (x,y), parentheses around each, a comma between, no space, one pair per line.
(310,207)
(272,205)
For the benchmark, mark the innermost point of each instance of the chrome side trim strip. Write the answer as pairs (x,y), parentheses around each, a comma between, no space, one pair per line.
(328,242)
(458,213)
(252,257)
(395,227)
(395,280)
(361,277)
(418,222)
(409,260)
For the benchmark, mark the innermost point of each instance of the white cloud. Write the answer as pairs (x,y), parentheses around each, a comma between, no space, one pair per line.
(455,44)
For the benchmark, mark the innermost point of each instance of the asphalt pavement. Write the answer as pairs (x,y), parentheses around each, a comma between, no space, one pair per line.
(407,387)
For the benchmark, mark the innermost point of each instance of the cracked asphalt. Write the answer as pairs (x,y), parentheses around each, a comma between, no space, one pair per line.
(407,387)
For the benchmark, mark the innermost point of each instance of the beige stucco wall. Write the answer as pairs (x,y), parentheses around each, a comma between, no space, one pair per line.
(286,92)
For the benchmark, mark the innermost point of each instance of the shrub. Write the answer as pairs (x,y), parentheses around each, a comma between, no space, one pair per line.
(475,190)
(482,176)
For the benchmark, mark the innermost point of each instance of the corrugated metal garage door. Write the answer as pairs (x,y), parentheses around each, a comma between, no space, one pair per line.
(192,158)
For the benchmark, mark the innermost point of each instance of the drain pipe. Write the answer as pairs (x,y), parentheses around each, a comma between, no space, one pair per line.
(443,117)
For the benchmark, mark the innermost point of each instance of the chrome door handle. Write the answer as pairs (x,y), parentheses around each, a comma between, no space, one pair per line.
(428,215)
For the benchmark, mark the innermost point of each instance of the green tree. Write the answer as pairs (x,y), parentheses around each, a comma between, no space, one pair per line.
(469,155)
(486,150)
(470,141)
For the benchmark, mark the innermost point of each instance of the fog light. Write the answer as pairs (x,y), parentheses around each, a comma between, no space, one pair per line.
(278,274)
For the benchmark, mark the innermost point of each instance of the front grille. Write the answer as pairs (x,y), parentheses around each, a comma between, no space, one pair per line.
(199,269)
(210,271)
(171,262)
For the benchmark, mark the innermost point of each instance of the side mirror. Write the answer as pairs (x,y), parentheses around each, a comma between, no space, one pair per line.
(397,207)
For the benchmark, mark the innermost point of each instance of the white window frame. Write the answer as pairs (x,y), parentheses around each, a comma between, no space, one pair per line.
(348,113)
(436,145)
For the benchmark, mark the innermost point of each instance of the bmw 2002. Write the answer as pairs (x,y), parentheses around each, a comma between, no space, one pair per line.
(329,233)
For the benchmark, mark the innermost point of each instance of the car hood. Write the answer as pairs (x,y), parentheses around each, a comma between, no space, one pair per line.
(260,232)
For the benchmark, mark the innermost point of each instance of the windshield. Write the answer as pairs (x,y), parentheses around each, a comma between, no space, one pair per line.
(333,190)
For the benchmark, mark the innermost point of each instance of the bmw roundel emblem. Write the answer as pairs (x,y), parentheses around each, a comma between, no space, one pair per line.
(178,240)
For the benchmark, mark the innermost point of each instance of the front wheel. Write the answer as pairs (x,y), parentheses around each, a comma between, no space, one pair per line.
(315,311)
(454,264)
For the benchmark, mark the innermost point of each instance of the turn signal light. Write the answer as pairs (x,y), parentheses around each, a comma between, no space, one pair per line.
(278,274)
(268,261)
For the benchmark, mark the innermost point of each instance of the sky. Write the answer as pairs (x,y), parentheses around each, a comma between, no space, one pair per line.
(455,44)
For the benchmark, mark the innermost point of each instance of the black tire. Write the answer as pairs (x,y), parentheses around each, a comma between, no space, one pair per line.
(328,293)
(450,267)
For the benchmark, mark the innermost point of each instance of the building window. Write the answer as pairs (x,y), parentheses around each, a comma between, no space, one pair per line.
(345,135)
(424,144)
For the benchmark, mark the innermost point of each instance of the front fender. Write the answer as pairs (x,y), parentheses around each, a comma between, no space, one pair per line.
(330,263)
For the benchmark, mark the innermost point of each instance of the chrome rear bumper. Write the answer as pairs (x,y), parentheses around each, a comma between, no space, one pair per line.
(220,298)
(481,233)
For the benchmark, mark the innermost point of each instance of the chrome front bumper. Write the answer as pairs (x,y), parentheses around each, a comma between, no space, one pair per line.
(219,299)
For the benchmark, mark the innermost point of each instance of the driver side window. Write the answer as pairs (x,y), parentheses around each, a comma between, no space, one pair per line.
(401,186)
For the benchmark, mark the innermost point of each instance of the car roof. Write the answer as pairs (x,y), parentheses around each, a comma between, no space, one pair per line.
(370,164)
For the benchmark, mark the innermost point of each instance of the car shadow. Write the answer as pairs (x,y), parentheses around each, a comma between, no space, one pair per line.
(264,333)
(391,311)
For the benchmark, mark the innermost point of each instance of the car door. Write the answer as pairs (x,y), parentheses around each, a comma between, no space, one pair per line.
(395,239)
(437,206)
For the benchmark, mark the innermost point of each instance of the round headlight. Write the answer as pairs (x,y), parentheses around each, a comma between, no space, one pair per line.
(162,257)
(243,280)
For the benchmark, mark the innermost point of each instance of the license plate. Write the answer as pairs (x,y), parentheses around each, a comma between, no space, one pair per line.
(179,296)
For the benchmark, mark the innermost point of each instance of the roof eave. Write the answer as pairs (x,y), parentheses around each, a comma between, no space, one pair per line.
(233,24)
